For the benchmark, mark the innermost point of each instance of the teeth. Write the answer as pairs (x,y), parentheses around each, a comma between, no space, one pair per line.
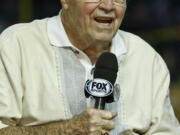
(103,20)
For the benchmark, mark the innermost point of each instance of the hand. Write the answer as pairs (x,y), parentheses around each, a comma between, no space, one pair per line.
(92,122)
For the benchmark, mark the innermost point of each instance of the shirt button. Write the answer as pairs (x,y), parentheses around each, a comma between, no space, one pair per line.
(92,71)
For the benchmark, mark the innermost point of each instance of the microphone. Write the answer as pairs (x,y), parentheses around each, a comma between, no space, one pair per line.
(102,85)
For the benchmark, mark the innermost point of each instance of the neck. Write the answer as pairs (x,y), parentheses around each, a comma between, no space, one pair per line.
(95,51)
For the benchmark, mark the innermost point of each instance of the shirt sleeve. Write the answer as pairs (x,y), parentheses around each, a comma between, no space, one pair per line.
(11,93)
(164,121)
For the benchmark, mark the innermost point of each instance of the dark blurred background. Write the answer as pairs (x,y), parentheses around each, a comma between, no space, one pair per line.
(156,21)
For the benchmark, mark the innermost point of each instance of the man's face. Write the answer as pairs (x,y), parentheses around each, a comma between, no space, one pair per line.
(95,21)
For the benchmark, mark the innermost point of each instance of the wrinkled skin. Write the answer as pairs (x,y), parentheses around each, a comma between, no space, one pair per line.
(91,122)
(84,31)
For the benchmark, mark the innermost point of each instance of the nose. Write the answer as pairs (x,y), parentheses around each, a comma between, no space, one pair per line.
(107,5)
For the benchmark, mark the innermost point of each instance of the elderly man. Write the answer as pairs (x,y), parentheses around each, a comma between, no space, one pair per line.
(44,65)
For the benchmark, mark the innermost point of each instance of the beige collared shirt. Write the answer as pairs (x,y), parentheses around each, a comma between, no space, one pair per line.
(33,82)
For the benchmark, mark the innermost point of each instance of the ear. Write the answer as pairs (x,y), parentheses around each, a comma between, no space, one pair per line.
(64,4)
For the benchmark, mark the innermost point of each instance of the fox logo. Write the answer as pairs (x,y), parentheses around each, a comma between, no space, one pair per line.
(99,87)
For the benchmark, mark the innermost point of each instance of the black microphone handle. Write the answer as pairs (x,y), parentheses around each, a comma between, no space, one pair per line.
(100,103)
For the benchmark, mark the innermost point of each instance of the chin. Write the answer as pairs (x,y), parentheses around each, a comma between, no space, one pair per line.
(106,37)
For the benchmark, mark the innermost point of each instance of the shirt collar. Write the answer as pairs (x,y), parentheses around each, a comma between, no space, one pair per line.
(59,38)
(56,32)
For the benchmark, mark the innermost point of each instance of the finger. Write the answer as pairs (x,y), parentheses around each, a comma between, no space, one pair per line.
(94,128)
(95,131)
(114,114)
(107,115)
(100,132)
(106,124)
(101,113)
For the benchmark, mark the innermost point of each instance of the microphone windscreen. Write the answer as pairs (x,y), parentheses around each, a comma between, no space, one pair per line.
(106,67)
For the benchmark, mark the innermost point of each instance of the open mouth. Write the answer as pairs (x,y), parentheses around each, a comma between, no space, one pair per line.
(103,20)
